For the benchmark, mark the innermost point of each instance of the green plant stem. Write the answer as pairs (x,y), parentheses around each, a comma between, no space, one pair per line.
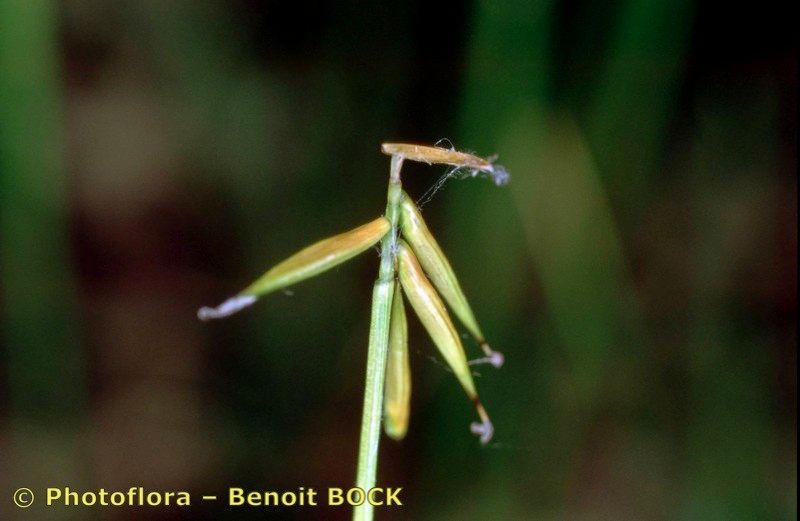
(378,349)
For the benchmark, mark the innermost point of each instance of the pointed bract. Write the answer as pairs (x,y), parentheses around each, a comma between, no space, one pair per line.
(304,264)
(397,392)
(448,156)
(437,155)
(433,315)
(441,274)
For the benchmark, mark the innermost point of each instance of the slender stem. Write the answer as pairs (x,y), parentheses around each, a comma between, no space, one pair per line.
(378,349)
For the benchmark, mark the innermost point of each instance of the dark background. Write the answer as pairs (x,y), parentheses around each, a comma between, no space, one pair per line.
(639,271)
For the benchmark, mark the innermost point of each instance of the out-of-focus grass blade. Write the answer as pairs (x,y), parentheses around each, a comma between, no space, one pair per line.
(397,401)
(304,264)
(438,269)
(45,413)
(635,102)
(576,248)
(433,315)
(730,434)
(44,362)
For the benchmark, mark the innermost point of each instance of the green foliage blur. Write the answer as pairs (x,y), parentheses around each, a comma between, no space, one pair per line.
(638,272)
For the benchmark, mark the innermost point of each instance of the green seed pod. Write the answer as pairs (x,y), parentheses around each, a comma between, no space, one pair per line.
(397,393)
(437,267)
(304,264)
(433,315)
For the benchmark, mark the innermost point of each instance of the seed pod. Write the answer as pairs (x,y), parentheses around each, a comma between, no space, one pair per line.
(397,392)
(437,155)
(433,315)
(436,266)
(304,264)
(448,156)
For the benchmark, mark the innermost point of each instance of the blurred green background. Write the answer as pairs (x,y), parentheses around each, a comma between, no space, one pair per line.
(639,271)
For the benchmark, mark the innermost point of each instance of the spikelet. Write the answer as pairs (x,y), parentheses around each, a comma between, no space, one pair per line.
(397,390)
(432,313)
(447,156)
(304,264)
(441,274)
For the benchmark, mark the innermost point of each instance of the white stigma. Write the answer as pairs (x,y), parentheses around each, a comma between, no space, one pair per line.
(484,429)
(227,308)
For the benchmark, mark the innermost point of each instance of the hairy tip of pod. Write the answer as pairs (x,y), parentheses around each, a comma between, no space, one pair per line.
(226,309)
(496,358)
(500,175)
(484,428)
(493,358)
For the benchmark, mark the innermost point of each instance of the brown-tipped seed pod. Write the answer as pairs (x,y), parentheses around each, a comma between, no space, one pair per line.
(438,269)
(433,315)
(397,392)
(431,155)
(304,264)
(448,156)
